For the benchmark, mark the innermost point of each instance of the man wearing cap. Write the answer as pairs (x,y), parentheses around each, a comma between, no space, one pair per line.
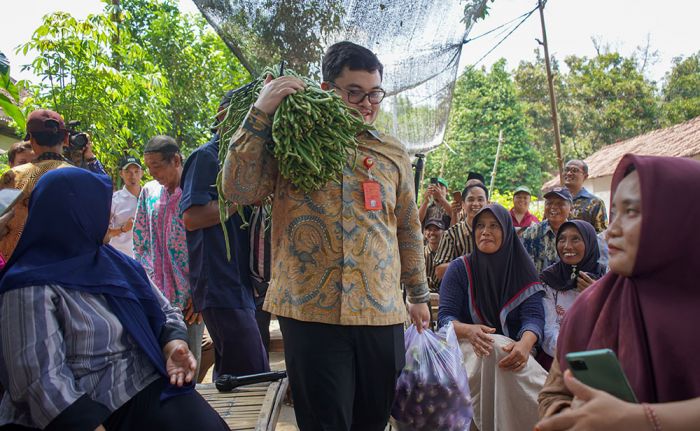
(586,206)
(435,203)
(520,213)
(124,202)
(540,239)
(47,135)
(434,228)
(221,288)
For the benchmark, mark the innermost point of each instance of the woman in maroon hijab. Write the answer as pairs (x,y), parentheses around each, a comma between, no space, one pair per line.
(646,309)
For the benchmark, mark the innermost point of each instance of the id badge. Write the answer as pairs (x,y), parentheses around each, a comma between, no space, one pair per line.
(373,195)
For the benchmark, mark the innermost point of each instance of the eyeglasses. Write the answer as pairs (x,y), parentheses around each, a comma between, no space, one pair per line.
(354,96)
(573,170)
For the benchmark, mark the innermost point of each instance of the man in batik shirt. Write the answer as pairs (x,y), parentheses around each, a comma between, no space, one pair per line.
(586,206)
(338,257)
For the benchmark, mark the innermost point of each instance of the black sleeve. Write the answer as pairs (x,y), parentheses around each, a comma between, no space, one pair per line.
(83,415)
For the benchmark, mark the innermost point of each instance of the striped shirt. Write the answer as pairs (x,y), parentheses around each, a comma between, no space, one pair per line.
(433,282)
(59,345)
(455,242)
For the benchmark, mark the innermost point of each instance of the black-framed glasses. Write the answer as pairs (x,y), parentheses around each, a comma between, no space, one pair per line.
(375,97)
(573,170)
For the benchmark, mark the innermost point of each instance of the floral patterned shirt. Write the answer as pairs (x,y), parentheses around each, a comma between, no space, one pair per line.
(159,242)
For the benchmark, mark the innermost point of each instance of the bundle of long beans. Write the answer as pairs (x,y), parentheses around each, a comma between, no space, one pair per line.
(313,132)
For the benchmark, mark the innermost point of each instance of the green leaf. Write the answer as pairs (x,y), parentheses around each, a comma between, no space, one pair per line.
(12,111)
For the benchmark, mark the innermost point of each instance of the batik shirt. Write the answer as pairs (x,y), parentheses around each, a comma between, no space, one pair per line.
(160,244)
(433,282)
(589,208)
(24,177)
(333,261)
(455,242)
(540,241)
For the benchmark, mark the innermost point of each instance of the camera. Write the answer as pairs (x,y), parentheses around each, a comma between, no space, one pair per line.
(77,140)
(578,365)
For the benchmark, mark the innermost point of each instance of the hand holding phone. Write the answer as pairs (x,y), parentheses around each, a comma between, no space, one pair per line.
(600,369)
(584,281)
(8,199)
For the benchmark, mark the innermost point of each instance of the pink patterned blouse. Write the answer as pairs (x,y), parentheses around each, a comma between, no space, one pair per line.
(159,242)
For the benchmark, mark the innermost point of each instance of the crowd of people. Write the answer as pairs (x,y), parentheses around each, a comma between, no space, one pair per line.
(109,296)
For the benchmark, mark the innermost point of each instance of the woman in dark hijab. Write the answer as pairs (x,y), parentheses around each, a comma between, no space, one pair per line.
(493,297)
(645,309)
(86,341)
(577,268)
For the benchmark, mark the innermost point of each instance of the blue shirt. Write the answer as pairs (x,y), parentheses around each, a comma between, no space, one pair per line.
(454,305)
(215,282)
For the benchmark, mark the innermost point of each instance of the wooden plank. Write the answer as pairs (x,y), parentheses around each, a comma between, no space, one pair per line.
(250,407)
(277,404)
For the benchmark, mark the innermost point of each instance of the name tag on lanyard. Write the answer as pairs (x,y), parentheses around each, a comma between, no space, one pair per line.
(371,189)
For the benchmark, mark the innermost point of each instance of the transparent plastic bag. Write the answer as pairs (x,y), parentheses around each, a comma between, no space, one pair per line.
(432,392)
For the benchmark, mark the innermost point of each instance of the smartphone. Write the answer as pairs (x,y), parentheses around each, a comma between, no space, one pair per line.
(8,199)
(600,369)
(457,197)
(434,180)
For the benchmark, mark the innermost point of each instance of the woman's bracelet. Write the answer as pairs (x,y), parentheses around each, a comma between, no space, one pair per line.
(652,418)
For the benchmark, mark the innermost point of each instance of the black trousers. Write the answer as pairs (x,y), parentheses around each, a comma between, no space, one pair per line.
(342,377)
(263,318)
(145,411)
(238,348)
(183,412)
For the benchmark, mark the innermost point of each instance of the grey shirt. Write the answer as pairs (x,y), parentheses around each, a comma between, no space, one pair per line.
(60,345)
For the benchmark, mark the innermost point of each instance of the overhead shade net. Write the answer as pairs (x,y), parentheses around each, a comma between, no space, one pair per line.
(418,41)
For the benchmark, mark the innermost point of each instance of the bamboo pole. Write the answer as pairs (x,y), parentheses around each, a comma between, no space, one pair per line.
(495,162)
(552,98)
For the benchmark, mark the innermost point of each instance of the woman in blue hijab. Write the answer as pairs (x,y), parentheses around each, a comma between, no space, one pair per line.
(86,342)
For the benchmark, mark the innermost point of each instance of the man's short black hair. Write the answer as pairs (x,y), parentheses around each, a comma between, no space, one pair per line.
(347,54)
(163,144)
(49,139)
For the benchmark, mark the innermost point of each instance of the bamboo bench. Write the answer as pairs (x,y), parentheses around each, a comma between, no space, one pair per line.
(251,407)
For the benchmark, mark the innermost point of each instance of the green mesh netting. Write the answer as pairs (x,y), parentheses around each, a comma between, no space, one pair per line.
(418,41)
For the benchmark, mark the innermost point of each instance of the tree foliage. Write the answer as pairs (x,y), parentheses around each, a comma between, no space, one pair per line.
(609,100)
(196,63)
(601,100)
(127,81)
(9,94)
(267,32)
(681,90)
(485,102)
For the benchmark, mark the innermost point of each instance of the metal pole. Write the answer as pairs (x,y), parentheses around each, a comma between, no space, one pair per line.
(552,98)
(418,177)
